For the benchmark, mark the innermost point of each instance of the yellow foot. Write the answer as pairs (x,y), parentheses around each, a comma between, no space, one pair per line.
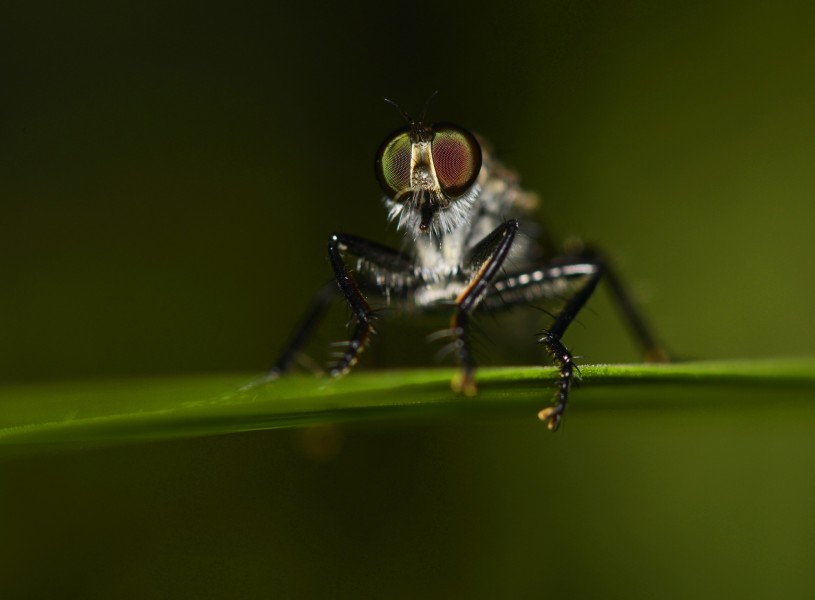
(464,383)
(551,416)
(657,355)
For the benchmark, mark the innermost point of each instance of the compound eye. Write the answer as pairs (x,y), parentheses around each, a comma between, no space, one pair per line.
(456,158)
(393,163)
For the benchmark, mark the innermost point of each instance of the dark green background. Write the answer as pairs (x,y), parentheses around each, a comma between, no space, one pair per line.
(170,173)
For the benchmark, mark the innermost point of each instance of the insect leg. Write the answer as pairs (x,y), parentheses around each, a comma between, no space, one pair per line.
(486,260)
(559,352)
(304,330)
(551,282)
(652,350)
(373,256)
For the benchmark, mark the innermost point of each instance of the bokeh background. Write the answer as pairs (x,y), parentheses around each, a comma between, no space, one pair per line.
(169,174)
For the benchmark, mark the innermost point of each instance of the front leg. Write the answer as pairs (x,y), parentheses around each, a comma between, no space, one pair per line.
(486,260)
(388,266)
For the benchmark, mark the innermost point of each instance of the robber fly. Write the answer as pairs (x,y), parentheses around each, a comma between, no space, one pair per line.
(460,211)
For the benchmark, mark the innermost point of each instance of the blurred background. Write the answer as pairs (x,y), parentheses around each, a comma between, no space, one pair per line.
(170,173)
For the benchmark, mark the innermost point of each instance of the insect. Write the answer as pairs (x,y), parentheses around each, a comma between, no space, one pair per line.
(460,211)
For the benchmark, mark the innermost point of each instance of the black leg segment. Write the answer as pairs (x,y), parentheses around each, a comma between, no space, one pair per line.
(487,258)
(388,263)
(555,281)
(304,330)
(391,269)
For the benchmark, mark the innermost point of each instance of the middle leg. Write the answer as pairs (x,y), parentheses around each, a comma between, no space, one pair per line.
(554,281)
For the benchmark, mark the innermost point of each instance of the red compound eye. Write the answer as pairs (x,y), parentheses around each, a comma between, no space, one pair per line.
(456,158)
(393,163)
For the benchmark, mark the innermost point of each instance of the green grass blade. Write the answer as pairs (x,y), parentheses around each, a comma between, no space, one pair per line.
(164,408)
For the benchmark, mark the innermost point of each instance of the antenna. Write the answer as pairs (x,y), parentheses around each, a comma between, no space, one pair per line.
(401,111)
(427,103)
(406,115)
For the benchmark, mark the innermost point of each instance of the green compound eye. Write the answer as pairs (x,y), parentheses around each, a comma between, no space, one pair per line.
(393,163)
(456,158)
